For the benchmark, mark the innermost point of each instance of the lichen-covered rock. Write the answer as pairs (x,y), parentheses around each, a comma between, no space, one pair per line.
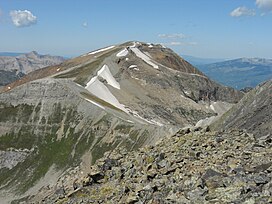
(223,172)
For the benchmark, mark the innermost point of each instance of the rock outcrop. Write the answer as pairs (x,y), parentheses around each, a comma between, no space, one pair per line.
(13,68)
(193,167)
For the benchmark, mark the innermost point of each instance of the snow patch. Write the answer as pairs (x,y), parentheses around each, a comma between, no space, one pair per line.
(105,73)
(78,85)
(132,66)
(129,121)
(205,122)
(156,123)
(134,45)
(150,45)
(135,78)
(163,46)
(144,57)
(99,89)
(101,50)
(212,107)
(122,53)
(95,103)
(146,53)
(195,74)
(91,81)
(127,59)
(153,122)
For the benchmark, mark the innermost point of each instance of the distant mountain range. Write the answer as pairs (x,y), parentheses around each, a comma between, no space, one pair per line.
(15,65)
(239,73)
(11,54)
(200,61)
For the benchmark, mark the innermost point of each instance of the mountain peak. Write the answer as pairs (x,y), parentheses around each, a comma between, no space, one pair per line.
(33,54)
(14,67)
(255,60)
(118,96)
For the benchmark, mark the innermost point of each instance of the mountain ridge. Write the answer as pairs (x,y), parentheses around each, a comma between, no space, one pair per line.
(13,68)
(252,113)
(201,60)
(11,54)
(240,73)
(127,95)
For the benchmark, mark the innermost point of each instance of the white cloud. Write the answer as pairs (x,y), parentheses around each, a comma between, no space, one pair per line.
(173,36)
(264,4)
(192,43)
(85,24)
(242,11)
(178,43)
(23,18)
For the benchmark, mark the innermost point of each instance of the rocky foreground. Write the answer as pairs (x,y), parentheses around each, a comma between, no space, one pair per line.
(198,166)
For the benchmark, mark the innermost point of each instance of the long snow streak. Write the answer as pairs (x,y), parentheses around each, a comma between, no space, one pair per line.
(144,57)
(105,73)
(101,50)
(99,89)
(122,53)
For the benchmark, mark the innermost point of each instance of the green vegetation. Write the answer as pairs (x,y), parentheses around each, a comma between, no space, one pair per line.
(99,150)
(57,115)
(47,148)
(23,139)
(125,129)
(140,140)
(48,151)
(42,139)
(133,142)
(12,113)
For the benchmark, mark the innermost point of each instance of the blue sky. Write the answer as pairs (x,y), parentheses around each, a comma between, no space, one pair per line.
(203,28)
